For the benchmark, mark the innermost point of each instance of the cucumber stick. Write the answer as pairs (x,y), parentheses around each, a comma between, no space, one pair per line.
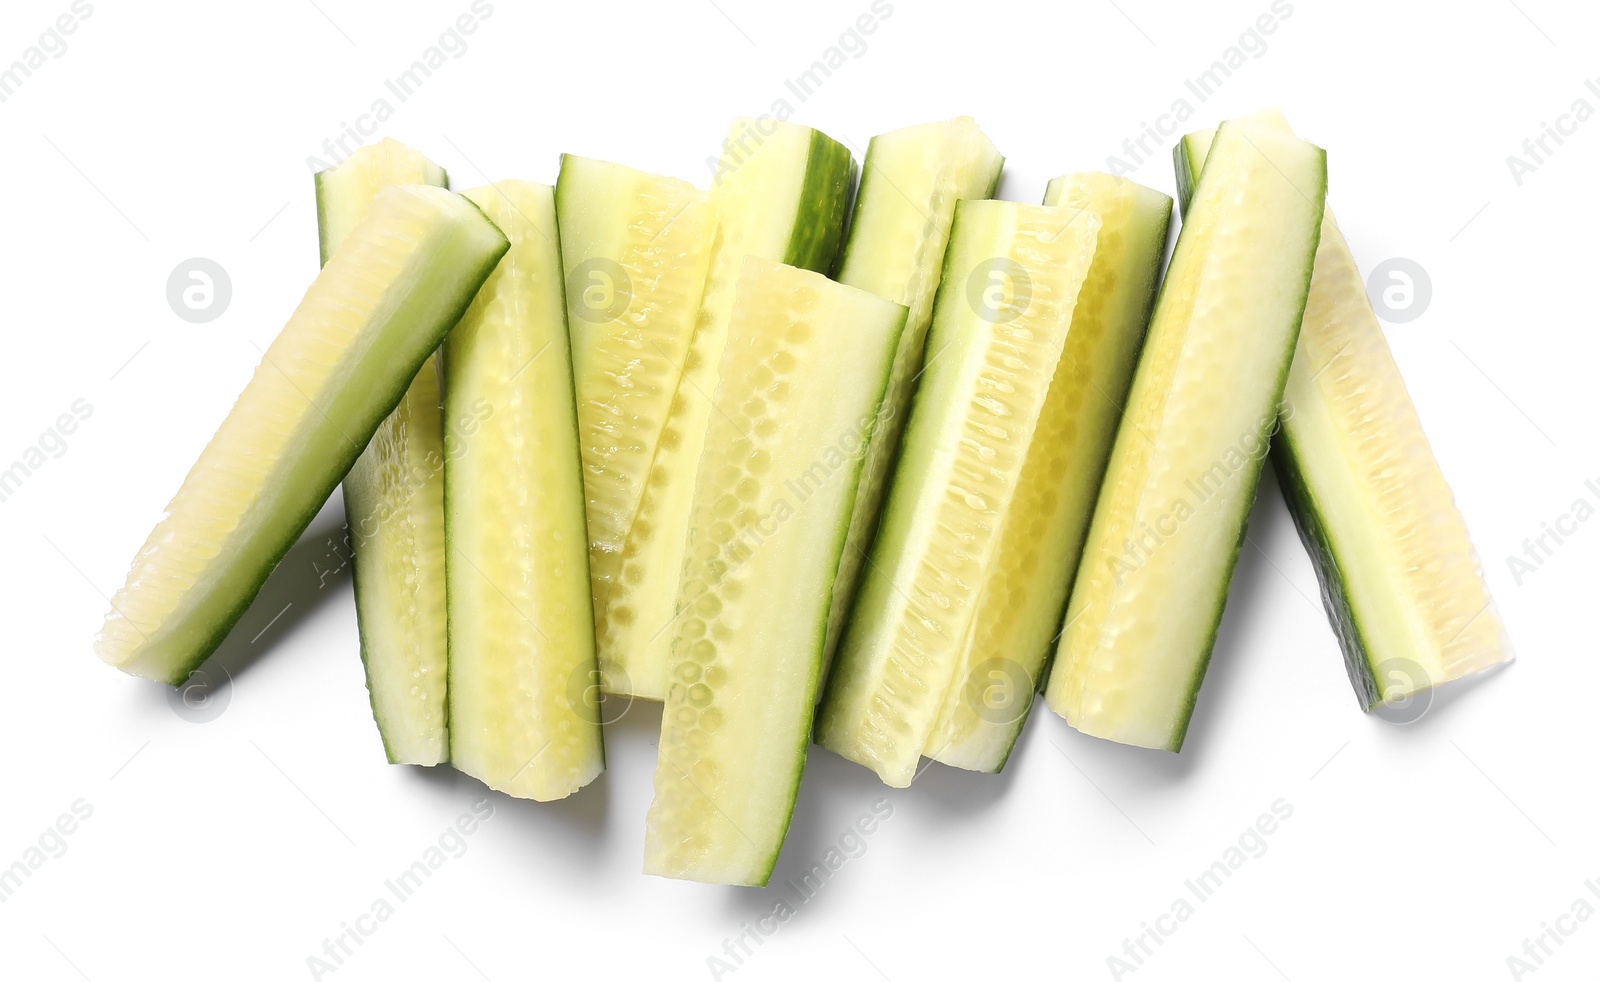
(1013,276)
(404,275)
(394,502)
(781,193)
(522,714)
(803,373)
(1165,537)
(635,250)
(1400,578)
(911,180)
(1024,592)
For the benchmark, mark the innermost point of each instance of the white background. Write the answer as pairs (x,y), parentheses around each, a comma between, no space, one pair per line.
(232,848)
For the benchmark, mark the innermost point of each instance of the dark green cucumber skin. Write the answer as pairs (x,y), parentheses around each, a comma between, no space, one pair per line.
(1307,515)
(1188,176)
(1335,593)
(1186,191)
(825,197)
(840,537)
(864,185)
(318,494)
(324,253)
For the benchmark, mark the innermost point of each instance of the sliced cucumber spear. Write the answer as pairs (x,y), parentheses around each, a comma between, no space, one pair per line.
(910,183)
(523,718)
(635,249)
(1400,579)
(1165,537)
(802,377)
(1012,280)
(394,502)
(374,314)
(1024,592)
(781,192)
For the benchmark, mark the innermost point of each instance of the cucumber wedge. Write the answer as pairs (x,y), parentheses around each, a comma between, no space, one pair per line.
(341,364)
(522,716)
(345,192)
(1024,592)
(1165,537)
(1400,579)
(802,378)
(910,183)
(1012,280)
(394,502)
(635,249)
(781,193)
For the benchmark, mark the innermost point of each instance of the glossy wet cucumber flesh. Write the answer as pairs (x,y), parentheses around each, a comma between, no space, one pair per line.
(636,249)
(1400,579)
(1024,593)
(1012,279)
(341,364)
(523,717)
(780,193)
(911,180)
(1170,518)
(803,374)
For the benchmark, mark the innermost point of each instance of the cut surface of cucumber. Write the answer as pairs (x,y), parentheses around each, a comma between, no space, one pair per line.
(635,248)
(1012,280)
(394,502)
(522,669)
(780,193)
(911,180)
(803,373)
(1024,593)
(1170,518)
(341,364)
(345,191)
(1400,579)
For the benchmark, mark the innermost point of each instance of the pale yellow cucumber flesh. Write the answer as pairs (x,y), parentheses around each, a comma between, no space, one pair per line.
(911,180)
(523,717)
(345,191)
(1013,279)
(803,374)
(635,250)
(394,502)
(1024,591)
(780,194)
(1165,537)
(343,361)
(1400,578)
